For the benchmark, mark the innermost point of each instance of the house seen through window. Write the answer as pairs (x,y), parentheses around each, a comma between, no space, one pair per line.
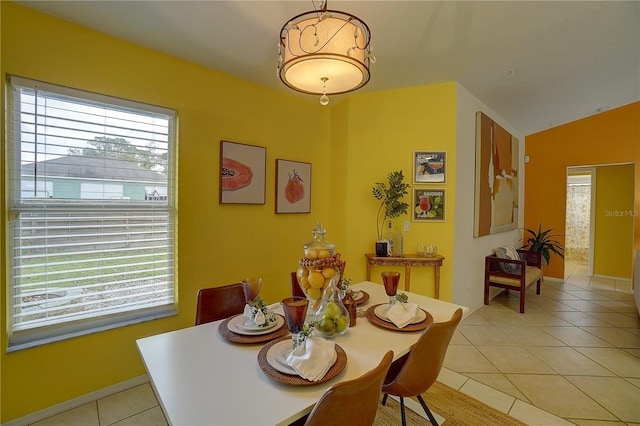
(91,238)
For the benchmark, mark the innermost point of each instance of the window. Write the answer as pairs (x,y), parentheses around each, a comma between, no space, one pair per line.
(90,245)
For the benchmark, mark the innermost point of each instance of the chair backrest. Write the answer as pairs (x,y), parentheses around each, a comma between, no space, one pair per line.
(354,402)
(424,361)
(219,302)
(295,286)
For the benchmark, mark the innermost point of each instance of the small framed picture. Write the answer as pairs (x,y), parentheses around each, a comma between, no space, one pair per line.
(293,186)
(242,173)
(429,205)
(429,167)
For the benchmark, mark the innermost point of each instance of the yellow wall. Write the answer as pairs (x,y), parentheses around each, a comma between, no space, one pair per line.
(218,244)
(606,138)
(613,216)
(384,129)
(350,145)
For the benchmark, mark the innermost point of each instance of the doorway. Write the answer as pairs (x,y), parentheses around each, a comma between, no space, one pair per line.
(578,223)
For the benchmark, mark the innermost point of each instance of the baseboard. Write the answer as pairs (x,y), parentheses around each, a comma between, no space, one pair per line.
(609,277)
(77,402)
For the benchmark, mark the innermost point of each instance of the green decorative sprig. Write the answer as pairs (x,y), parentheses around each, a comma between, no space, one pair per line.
(259,304)
(346,282)
(401,297)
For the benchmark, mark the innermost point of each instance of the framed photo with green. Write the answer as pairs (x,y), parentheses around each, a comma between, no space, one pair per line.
(429,205)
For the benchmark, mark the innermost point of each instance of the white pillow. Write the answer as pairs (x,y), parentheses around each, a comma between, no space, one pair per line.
(508,253)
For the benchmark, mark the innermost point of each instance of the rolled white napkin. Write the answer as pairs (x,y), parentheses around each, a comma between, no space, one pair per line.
(401,314)
(254,315)
(313,358)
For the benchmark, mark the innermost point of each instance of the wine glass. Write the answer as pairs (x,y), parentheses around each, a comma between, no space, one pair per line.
(251,287)
(295,312)
(391,280)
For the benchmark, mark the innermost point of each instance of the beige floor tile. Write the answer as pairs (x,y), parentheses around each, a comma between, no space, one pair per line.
(589,295)
(498,382)
(530,336)
(488,395)
(475,319)
(617,295)
(467,359)
(150,417)
(616,360)
(558,396)
(586,306)
(85,415)
(543,318)
(582,422)
(616,336)
(581,319)
(514,359)
(616,304)
(619,319)
(635,352)
(575,336)
(126,404)
(568,361)
(451,378)
(505,318)
(533,416)
(617,395)
(484,335)
(634,381)
(459,339)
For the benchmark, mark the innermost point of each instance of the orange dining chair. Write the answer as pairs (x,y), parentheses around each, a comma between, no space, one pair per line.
(295,286)
(415,372)
(354,402)
(219,302)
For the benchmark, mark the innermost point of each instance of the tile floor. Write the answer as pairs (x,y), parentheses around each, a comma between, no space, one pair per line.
(572,358)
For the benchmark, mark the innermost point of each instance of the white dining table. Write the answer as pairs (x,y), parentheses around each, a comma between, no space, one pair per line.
(202,379)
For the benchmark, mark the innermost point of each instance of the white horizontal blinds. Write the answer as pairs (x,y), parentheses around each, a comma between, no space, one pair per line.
(92,223)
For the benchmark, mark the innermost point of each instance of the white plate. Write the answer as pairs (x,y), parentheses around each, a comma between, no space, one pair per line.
(248,325)
(277,357)
(381,312)
(357,295)
(232,325)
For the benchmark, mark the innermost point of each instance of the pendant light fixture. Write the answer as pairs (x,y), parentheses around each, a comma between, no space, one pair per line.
(325,52)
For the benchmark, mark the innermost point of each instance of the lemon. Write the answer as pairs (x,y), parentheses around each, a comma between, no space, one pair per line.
(311,254)
(322,254)
(302,272)
(304,282)
(316,280)
(314,293)
(328,272)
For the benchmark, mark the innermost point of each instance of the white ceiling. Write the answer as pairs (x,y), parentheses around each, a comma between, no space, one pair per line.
(537,64)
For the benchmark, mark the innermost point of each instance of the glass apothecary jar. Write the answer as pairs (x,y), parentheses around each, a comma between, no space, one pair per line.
(319,265)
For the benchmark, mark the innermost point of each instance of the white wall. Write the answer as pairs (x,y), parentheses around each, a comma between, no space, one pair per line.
(469,252)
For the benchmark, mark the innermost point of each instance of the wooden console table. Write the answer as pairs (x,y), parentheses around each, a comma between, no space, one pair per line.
(407,261)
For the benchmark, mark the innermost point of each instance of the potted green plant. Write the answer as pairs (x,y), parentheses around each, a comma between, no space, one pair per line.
(544,242)
(391,196)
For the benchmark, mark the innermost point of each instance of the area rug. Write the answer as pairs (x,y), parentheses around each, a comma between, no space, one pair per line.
(456,407)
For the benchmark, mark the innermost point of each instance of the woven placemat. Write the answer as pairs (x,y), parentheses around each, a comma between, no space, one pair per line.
(373,318)
(223,329)
(363,299)
(288,379)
